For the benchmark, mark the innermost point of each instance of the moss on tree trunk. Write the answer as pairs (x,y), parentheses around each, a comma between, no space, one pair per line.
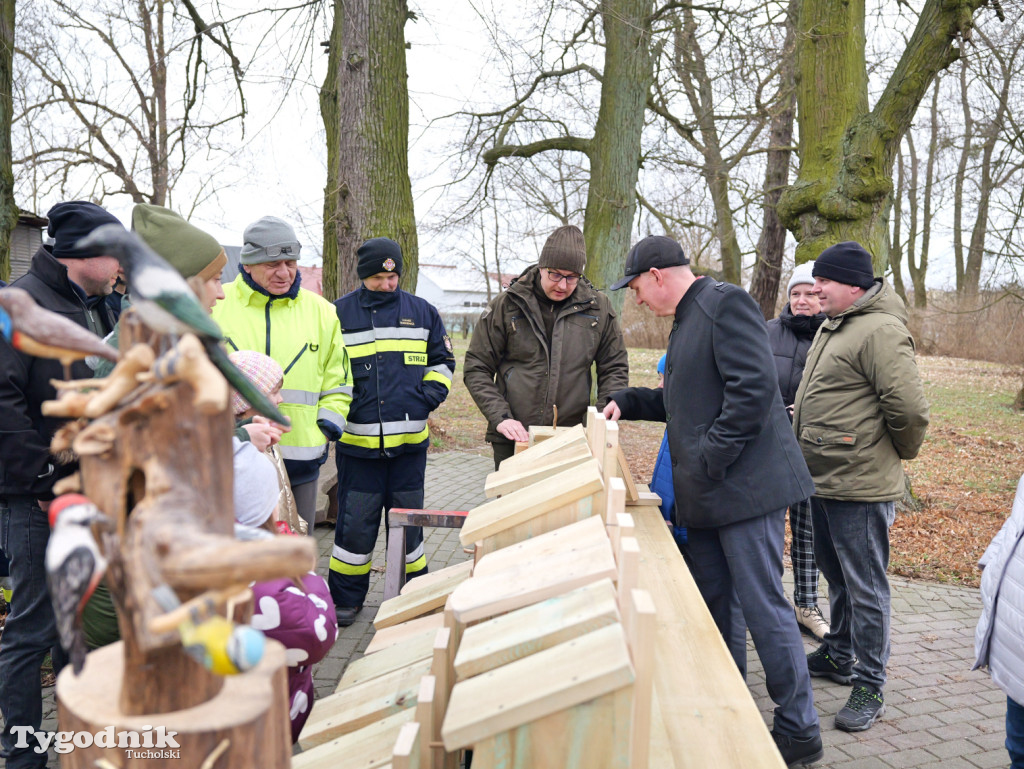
(844,188)
(8,206)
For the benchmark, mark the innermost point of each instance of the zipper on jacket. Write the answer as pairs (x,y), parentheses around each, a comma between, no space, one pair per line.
(267,313)
(296,358)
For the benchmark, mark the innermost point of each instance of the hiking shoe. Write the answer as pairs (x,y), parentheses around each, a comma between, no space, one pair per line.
(797,752)
(346,615)
(820,663)
(811,622)
(860,711)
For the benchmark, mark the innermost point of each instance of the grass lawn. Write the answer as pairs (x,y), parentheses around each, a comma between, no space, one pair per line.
(965,476)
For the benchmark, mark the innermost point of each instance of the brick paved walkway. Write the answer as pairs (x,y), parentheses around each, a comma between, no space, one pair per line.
(938,713)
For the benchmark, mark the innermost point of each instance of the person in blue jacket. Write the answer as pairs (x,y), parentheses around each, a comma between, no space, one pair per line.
(661,480)
(402,368)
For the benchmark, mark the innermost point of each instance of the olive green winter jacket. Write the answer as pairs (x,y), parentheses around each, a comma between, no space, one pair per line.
(513,371)
(861,408)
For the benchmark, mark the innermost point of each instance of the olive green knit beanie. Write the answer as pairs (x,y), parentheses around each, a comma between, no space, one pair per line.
(187,248)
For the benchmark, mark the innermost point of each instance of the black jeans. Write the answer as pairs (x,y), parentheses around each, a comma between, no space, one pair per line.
(31,630)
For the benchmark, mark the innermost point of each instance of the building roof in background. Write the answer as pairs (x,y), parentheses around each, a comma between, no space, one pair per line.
(462,278)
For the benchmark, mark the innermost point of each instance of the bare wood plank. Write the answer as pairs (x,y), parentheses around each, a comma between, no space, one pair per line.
(368,748)
(640,630)
(534,628)
(425,600)
(412,650)
(522,505)
(429,579)
(361,705)
(574,536)
(503,482)
(529,689)
(564,437)
(382,639)
(406,753)
(525,583)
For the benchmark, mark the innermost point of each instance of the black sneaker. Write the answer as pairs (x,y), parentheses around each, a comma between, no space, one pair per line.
(797,752)
(860,711)
(346,615)
(820,663)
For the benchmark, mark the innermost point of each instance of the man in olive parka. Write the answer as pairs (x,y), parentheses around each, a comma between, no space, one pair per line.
(530,357)
(860,410)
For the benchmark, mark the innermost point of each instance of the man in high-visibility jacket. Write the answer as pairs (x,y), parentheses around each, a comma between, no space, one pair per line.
(265,310)
(402,365)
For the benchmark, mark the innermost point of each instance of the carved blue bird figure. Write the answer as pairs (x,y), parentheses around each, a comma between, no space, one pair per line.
(167,305)
(33,330)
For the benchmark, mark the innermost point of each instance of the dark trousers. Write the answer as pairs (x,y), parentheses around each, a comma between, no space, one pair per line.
(1015,733)
(851,546)
(31,630)
(365,488)
(502,451)
(743,561)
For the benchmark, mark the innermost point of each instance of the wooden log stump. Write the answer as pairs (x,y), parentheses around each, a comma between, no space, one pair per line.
(243,726)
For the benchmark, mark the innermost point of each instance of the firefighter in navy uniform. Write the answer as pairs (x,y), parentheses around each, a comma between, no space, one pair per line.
(402,366)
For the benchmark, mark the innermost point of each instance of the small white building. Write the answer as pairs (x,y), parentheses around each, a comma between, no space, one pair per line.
(457,290)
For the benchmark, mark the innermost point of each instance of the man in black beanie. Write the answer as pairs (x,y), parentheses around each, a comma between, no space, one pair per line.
(860,410)
(402,365)
(531,354)
(72,283)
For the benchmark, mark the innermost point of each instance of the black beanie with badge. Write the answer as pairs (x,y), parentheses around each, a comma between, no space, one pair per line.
(378,255)
(71,221)
(847,262)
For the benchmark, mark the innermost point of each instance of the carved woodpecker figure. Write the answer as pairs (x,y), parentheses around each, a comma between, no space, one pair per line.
(74,567)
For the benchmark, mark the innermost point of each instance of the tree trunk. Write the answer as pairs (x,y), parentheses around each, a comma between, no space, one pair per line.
(368,176)
(958,183)
(329,114)
(764,286)
(615,149)
(896,248)
(8,206)
(919,268)
(844,188)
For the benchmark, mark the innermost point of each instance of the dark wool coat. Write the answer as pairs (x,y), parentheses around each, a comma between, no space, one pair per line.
(734,455)
(26,466)
(790,337)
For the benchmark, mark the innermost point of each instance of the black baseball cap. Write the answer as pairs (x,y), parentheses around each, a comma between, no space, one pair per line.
(653,251)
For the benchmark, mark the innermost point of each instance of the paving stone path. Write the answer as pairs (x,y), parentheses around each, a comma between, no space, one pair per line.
(938,712)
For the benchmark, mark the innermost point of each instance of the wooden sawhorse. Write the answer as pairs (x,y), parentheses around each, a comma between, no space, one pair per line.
(400,517)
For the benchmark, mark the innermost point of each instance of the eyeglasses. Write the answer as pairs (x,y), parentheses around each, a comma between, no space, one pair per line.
(557,277)
(289,250)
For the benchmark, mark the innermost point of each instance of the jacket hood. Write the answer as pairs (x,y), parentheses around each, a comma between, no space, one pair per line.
(879,298)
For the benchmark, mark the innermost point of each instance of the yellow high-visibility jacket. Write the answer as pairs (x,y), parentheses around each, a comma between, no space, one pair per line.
(304,336)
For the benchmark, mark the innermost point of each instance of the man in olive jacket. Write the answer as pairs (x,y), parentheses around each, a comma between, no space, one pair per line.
(735,468)
(530,357)
(859,411)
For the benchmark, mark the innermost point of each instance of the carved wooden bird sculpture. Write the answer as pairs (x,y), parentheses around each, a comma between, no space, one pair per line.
(37,331)
(167,305)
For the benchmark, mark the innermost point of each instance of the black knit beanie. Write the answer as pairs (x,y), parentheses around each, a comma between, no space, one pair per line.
(847,262)
(564,250)
(378,255)
(70,222)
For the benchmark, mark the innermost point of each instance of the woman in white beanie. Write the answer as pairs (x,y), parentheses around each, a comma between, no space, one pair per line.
(790,336)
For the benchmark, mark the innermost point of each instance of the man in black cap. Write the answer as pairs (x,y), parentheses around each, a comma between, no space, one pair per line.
(736,467)
(402,365)
(860,410)
(74,284)
(531,354)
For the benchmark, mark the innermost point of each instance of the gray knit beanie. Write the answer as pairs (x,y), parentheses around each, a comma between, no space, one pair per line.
(256,487)
(564,250)
(802,273)
(269,240)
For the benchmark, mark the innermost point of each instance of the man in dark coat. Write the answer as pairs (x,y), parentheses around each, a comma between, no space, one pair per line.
(735,465)
(74,284)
